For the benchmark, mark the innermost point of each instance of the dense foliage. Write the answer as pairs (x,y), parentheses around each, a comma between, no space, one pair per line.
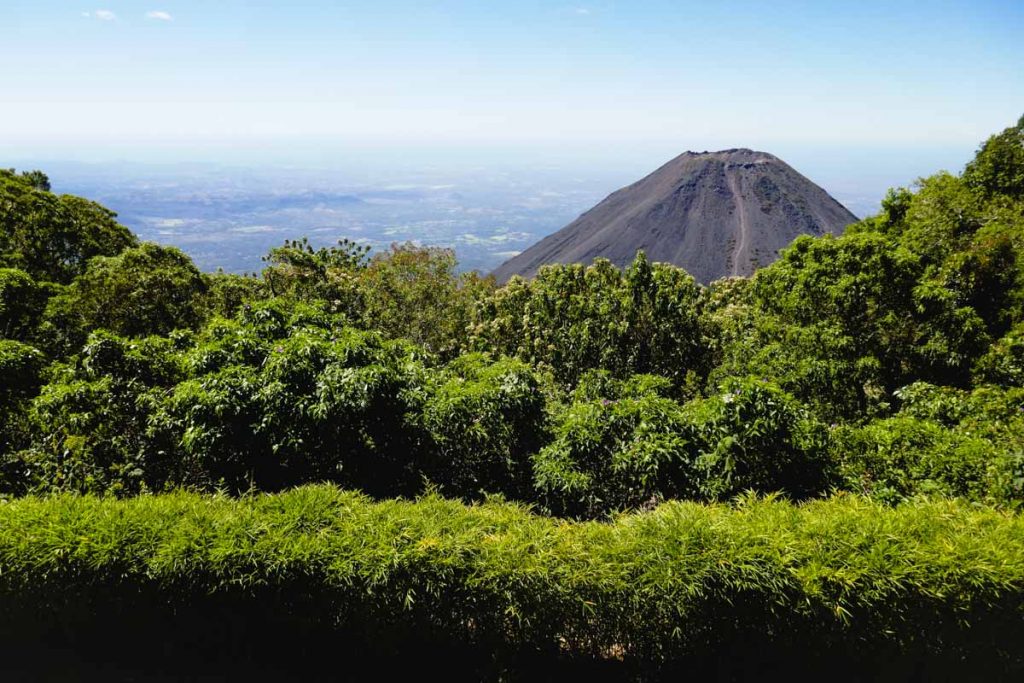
(876,377)
(844,588)
(888,361)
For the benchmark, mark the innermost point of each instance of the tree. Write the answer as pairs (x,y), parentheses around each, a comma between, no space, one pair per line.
(50,237)
(574,318)
(328,274)
(144,291)
(843,322)
(998,167)
(20,378)
(21,304)
(228,292)
(413,292)
(37,179)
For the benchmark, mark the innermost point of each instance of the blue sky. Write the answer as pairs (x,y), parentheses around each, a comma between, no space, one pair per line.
(146,74)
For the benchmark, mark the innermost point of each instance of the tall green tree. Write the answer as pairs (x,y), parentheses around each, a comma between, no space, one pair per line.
(998,167)
(146,290)
(414,292)
(329,274)
(53,237)
(572,319)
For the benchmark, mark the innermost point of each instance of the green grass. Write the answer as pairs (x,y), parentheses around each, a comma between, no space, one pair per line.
(843,586)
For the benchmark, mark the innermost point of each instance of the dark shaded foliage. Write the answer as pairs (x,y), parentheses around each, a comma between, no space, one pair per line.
(315,580)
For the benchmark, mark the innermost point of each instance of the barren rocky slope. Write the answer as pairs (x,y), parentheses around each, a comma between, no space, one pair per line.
(713,213)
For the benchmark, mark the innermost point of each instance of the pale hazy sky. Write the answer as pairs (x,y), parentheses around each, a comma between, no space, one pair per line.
(141,74)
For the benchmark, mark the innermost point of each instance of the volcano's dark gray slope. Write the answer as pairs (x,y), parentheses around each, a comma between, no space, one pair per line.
(714,214)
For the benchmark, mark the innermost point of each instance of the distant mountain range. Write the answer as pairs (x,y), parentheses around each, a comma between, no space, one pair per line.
(716,214)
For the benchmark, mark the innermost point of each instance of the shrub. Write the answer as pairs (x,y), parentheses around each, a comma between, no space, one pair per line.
(21,304)
(20,369)
(899,457)
(754,436)
(1003,364)
(90,421)
(320,578)
(571,319)
(484,420)
(619,445)
(943,441)
(266,413)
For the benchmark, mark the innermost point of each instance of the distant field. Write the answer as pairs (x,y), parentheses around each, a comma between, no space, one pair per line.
(228,218)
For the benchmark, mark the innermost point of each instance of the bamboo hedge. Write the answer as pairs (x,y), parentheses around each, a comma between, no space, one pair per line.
(331,584)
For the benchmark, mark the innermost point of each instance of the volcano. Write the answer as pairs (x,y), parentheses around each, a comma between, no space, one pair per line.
(715,214)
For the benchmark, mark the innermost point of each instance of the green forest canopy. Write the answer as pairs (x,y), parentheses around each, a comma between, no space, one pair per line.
(887,362)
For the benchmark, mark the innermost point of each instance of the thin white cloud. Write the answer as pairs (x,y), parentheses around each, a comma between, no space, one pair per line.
(582,11)
(159,15)
(103,15)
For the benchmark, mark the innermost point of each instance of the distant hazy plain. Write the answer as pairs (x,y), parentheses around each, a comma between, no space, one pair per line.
(487,204)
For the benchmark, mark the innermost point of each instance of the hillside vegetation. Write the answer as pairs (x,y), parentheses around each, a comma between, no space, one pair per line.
(887,362)
(621,472)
